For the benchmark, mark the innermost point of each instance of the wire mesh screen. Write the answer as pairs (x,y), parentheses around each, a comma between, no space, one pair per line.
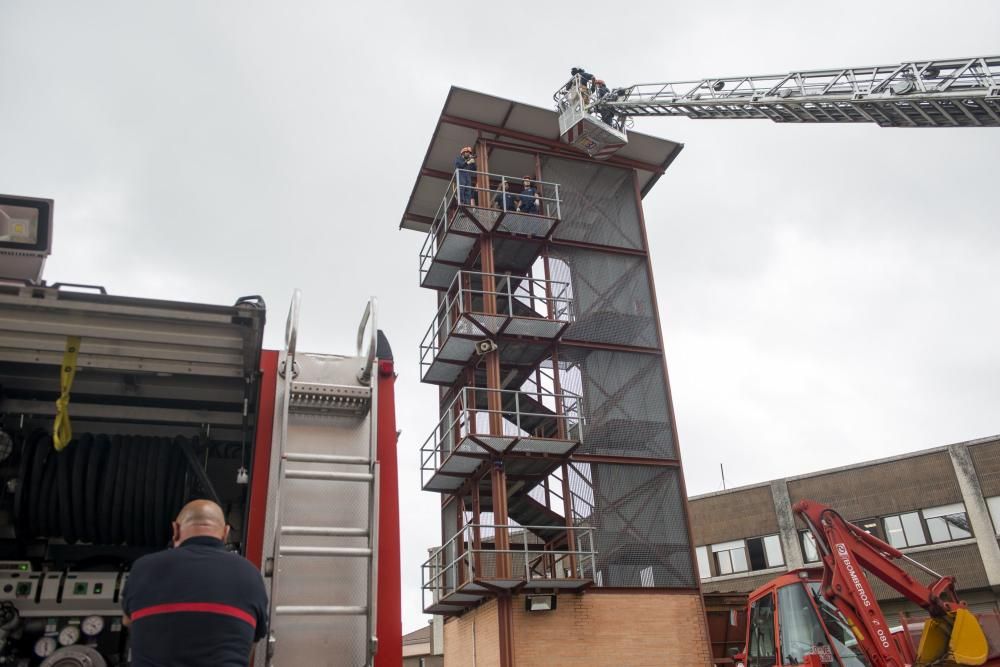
(610,295)
(598,203)
(640,532)
(625,406)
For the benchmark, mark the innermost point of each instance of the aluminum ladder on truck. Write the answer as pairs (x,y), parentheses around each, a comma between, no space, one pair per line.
(323,505)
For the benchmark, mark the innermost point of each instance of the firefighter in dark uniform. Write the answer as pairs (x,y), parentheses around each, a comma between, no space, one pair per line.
(528,199)
(466,164)
(196,605)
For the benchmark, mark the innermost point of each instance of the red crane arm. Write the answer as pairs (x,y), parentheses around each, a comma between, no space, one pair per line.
(847,551)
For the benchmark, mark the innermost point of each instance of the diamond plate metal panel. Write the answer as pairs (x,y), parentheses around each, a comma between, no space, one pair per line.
(458,349)
(465,220)
(526,225)
(491,323)
(495,443)
(454,247)
(487,218)
(543,446)
(439,276)
(460,465)
(535,328)
(442,483)
(441,373)
(467,446)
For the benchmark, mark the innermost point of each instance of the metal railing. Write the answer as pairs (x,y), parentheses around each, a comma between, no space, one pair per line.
(501,193)
(550,494)
(515,296)
(520,413)
(465,558)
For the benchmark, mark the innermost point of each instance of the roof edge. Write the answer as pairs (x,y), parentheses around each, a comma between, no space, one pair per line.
(852,466)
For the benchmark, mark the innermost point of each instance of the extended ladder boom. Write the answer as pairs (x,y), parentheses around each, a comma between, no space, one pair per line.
(963,92)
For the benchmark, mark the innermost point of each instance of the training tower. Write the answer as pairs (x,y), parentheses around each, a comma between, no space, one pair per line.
(564,531)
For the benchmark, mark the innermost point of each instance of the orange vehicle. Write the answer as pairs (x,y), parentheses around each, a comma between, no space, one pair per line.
(828,615)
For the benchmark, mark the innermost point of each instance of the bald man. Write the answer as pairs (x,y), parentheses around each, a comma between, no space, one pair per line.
(196,605)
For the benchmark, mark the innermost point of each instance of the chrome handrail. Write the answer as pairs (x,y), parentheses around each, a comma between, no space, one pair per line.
(365,374)
(582,557)
(554,298)
(551,204)
(432,450)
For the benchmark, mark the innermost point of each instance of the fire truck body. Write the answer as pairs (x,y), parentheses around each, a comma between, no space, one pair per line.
(115,410)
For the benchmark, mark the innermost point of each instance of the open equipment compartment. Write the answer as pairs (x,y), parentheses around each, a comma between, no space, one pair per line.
(163,408)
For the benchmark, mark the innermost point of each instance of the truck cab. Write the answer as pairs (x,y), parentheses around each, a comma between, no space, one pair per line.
(789,622)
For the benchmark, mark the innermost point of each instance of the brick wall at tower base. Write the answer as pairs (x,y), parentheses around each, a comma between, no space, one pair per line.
(635,629)
(473,636)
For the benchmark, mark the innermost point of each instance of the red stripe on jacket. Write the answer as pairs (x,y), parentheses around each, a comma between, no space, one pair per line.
(197,607)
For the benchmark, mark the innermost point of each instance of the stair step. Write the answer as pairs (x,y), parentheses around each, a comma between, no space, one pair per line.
(324,531)
(346,552)
(329,476)
(320,610)
(298,457)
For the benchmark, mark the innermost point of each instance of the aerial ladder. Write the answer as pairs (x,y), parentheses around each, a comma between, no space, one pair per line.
(960,92)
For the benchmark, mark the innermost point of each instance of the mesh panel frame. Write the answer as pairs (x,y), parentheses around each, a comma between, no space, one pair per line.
(598,203)
(625,402)
(612,300)
(640,528)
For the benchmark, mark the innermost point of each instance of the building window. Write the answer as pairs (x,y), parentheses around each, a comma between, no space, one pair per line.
(904,530)
(994,505)
(755,553)
(704,568)
(810,553)
(760,647)
(730,557)
(870,526)
(947,523)
(765,552)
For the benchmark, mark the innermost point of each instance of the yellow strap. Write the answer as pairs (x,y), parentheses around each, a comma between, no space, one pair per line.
(62,431)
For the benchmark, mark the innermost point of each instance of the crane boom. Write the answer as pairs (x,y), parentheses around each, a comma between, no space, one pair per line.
(931,93)
(960,92)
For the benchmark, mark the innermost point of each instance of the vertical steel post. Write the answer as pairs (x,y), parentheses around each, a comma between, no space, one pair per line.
(477,539)
(460,544)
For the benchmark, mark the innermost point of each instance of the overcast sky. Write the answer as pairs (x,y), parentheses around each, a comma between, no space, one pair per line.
(828,293)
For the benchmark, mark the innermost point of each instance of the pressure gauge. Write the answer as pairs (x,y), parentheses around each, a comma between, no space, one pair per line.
(92,625)
(45,647)
(69,635)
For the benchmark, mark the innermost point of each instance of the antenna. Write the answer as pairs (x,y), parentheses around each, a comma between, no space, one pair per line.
(723,471)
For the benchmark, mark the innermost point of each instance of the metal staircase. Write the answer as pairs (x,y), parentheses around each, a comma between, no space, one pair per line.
(323,567)
(506,426)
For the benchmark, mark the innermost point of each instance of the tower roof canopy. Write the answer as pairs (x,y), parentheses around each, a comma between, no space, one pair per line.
(468,115)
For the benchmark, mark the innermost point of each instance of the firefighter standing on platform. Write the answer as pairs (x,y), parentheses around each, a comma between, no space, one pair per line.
(465,164)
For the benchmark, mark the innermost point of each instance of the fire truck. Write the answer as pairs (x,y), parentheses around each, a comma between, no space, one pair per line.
(116,410)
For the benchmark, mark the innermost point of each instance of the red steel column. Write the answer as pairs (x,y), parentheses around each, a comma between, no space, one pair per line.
(389,628)
(260,468)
